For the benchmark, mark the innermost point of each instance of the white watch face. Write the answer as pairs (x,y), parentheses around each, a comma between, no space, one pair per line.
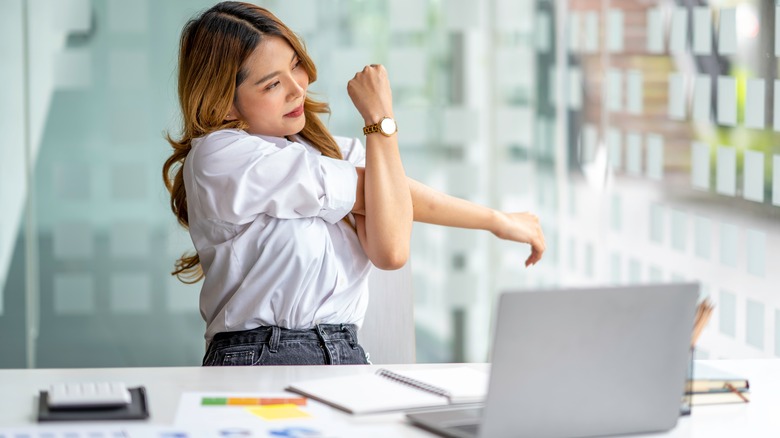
(387,126)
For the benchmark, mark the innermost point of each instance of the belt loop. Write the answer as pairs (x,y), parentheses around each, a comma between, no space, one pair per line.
(273,343)
(352,335)
(330,357)
(321,333)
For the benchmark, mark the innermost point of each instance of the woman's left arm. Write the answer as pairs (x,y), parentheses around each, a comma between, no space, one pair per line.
(434,207)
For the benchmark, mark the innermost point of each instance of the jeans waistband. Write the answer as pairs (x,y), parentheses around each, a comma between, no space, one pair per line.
(272,335)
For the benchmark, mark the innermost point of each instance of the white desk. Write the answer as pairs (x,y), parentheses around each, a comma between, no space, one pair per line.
(19,389)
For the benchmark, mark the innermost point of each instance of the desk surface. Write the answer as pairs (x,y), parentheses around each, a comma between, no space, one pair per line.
(164,386)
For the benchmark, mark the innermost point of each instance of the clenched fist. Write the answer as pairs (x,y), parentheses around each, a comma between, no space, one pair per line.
(370,93)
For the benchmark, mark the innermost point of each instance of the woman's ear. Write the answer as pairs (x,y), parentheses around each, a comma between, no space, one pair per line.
(232,114)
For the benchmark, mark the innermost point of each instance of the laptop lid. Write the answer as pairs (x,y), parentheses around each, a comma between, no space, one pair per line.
(590,361)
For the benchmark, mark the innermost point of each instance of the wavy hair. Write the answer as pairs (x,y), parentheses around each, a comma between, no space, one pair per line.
(213,49)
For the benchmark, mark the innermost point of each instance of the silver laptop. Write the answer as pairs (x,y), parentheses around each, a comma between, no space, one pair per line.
(581,362)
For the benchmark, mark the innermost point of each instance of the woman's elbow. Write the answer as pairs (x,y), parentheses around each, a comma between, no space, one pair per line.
(391,260)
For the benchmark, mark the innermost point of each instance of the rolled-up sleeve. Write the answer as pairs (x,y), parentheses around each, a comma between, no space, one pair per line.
(339,180)
(239,176)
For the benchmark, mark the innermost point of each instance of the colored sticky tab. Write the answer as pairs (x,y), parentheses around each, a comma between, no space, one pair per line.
(679,236)
(753,174)
(616,262)
(727,101)
(615,30)
(755,103)
(754,330)
(727,317)
(634,271)
(777,43)
(656,223)
(634,153)
(617,212)
(700,165)
(614,89)
(726,171)
(614,139)
(634,88)
(655,156)
(676,96)
(589,143)
(655,36)
(213,401)
(727,32)
(278,412)
(655,274)
(702,30)
(679,32)
(702,98)
(756,250)
(298,401)
(237,401)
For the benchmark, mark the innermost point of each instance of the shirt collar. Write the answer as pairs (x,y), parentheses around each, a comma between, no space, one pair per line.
(279,142)
(282,142)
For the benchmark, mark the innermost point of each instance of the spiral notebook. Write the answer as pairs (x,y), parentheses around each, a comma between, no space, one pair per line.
(397,390)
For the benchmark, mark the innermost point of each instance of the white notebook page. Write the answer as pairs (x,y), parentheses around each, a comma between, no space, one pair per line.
(465,385)
(366,393)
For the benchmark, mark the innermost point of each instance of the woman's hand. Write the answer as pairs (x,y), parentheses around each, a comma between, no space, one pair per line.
(524,228)
(370,93)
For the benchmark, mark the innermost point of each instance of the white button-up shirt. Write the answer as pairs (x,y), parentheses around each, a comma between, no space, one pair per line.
(265,217)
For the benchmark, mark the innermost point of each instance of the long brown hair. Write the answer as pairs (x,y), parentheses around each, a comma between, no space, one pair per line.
(212,52)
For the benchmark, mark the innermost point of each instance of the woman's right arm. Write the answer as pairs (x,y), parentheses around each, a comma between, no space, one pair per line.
(385,229)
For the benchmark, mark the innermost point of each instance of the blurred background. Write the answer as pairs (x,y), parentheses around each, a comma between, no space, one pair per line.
(643,133)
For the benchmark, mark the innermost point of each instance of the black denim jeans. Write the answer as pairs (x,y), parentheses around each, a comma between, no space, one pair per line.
(326,344)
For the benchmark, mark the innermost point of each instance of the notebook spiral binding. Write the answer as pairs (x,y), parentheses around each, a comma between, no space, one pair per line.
(413,383)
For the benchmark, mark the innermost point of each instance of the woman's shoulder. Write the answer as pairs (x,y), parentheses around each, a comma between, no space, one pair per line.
(227,147)
(221,137)
(234,140)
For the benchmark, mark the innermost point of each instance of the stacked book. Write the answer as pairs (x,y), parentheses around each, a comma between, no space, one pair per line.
(711,386)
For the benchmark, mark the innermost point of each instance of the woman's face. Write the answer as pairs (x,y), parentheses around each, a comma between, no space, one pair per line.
(270,100)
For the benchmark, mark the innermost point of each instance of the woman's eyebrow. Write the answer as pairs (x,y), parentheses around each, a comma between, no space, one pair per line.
(272,74)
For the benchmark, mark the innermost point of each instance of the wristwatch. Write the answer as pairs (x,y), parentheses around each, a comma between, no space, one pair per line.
(386,127)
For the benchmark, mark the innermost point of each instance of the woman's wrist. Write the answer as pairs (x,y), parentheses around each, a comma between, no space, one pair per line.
(376,117)
(497,222)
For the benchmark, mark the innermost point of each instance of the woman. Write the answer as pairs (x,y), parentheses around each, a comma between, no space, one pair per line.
(286,219)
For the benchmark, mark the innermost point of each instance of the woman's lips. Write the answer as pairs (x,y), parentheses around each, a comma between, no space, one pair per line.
(296,112)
